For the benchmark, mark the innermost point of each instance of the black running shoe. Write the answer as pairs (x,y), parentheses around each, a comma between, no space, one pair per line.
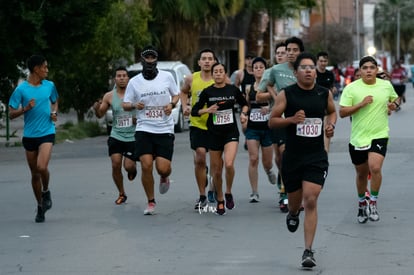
(40,216)
(220,210)
(46,201)
(308,261)
(292,222)
(229,201)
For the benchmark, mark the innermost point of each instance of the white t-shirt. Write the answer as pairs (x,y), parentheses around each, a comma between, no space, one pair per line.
(155,94)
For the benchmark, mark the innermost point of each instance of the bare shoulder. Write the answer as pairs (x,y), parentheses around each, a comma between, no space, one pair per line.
(107,98)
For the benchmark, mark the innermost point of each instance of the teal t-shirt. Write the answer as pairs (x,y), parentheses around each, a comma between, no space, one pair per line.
(37,121)
(371,121)
(123,128)
(280,75)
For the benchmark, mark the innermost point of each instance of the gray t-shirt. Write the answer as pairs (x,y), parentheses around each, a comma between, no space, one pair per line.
(280,75)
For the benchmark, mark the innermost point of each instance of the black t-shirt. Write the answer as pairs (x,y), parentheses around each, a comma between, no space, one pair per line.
(224,120)
(326,79)
(248,79)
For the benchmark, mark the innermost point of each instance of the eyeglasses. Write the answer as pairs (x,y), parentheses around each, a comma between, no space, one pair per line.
(306,67)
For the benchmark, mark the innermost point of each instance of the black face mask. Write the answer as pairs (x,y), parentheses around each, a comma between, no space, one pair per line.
(149,69)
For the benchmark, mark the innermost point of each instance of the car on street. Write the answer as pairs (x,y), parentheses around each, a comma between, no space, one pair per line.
(179,71)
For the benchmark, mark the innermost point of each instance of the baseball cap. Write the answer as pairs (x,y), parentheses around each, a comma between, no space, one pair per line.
(149,50)
(250,55)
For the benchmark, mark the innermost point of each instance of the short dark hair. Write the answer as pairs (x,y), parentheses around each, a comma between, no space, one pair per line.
(297,41)
(280,44)
(259,59)
(35,60)
(207,50)
(250,55)
(302,56)
(217,64)
(366,59)
(323,54)
(120,68)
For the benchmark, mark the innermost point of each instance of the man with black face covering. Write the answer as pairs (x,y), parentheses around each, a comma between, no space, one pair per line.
(153,93)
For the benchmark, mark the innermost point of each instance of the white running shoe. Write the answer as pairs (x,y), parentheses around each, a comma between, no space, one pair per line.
(164,185)
(150,210)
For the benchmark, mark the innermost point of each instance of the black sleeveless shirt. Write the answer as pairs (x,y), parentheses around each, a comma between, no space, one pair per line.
(307,137)
(256,120)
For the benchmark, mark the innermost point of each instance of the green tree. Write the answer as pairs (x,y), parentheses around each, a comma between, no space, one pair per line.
(385,15)
(336,36)
(115,34)
(177,24)
(82,41)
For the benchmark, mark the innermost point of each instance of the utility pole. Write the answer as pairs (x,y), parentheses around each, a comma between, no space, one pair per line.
(357,30)
(398,34)
(324,25)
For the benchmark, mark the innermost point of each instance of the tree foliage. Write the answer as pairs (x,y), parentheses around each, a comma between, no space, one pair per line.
(337,37)
(82,40)
(385,15)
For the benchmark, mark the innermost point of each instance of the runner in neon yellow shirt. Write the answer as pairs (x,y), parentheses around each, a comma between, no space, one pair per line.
(369,101)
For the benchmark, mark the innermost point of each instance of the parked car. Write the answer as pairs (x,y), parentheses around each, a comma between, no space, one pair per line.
(179,71)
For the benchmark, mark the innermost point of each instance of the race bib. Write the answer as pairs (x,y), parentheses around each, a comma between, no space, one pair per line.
(223,117)
(311,127)
(124,121)
(256,115)
(154,112)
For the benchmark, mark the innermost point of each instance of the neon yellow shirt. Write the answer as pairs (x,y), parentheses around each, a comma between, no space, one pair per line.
(371,121)
(197,87)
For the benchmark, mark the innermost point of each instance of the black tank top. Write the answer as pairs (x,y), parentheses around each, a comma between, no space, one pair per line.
(248,79)
(308,137)
(255,119)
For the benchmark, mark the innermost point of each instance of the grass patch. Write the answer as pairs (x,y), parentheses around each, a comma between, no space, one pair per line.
(79,131)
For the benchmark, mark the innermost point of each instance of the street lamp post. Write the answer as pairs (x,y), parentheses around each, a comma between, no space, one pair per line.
(357,29)
(398,34)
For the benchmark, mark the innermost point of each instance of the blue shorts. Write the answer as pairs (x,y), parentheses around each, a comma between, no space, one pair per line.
(263,136)
(32,144)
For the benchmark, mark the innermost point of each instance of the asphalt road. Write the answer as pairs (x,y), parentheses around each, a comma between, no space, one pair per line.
(86,233)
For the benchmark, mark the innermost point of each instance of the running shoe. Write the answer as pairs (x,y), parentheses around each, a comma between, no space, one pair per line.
(229,201)
(121,199)
(254,197)
(308,261)
(272,177)
(40,215)
(150,210)
(164,185)
(46,201)
(221,210)
(200,203)
(283,203)
(373,212)
(292,222)
(363,212)
(211,196)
